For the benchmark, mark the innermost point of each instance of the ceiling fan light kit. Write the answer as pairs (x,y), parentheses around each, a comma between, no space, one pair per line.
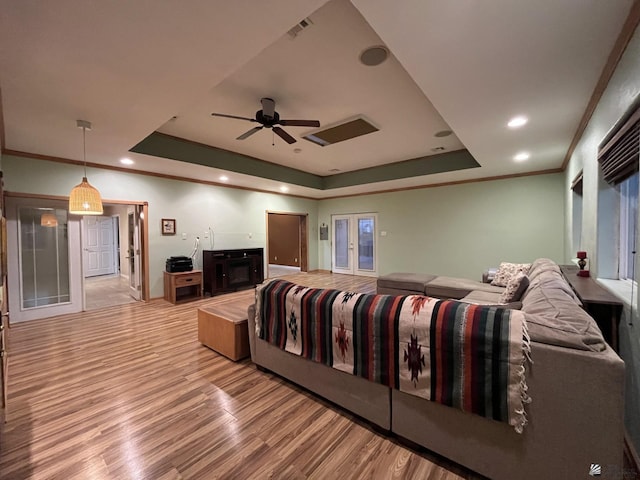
(269,118)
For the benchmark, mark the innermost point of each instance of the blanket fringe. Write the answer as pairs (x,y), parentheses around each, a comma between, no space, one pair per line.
(522,420)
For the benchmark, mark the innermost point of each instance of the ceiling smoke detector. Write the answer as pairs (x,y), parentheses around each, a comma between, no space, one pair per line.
(373,56)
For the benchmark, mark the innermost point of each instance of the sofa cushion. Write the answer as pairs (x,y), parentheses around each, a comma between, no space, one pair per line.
(508,270)
(550,279)
(554,318)
(515,288)
(541,265)
(456,288)
(412,282)
(489,299)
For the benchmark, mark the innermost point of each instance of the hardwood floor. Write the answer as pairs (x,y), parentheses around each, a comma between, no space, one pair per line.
(127,392)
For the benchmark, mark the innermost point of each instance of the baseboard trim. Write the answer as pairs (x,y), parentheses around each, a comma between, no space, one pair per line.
(319,271)
(631,453)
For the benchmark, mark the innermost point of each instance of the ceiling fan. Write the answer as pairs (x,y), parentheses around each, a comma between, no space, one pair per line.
(269,118)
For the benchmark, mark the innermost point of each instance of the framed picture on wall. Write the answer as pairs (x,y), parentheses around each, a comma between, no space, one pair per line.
(168,226)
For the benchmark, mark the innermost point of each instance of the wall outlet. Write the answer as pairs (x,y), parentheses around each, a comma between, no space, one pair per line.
(383,233)
(251,235)
(206,234)
(184,236)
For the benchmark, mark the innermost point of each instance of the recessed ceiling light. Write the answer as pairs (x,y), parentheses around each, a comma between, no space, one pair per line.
(224,178)
(517,122)
(521,157)
(284,189)
(437,149)
(297,150)
(334,170)
(443,133)
(126,161)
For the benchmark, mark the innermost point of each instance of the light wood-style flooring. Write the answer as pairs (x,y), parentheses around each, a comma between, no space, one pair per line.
(106,291)
(128,392)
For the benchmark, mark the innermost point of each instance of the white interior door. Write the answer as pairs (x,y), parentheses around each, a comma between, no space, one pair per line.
(44,267)
(133,251)
(354,249)
(99,246)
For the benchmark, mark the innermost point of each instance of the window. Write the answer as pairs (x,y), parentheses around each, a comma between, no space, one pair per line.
(618,156)
(628,190)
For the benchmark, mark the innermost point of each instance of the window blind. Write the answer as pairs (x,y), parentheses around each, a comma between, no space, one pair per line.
(618,156)
(576,185)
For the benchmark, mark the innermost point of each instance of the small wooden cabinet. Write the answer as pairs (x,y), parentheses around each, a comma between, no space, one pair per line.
(182,286)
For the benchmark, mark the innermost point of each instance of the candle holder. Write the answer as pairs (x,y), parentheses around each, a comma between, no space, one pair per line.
(582,263)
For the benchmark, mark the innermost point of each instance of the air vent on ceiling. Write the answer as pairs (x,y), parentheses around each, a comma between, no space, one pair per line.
(295,31)
(342,132)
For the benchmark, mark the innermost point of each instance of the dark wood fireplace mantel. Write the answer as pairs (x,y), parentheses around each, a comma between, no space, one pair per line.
(231,270)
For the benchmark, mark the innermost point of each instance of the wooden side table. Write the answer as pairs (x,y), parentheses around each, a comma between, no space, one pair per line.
(182,286)
(601,304)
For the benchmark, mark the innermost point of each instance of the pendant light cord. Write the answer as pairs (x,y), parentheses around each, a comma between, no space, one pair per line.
(84,149)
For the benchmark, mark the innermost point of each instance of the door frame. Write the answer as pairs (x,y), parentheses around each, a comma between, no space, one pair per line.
(144,234)
(304,238)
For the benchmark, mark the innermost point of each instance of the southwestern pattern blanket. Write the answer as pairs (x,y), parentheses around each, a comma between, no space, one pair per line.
(465,356)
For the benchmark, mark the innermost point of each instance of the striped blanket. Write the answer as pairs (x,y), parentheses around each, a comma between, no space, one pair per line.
(466,356)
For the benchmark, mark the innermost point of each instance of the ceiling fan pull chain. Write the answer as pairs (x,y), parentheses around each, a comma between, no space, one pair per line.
(273,139)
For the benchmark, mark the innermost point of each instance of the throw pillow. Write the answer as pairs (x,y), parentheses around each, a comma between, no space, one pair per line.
(515,288)
(508,270)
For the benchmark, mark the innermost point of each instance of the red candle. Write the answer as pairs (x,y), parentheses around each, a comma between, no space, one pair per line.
(582,255)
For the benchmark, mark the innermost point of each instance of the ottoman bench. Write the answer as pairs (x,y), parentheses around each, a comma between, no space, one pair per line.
(403,283)
(223,328)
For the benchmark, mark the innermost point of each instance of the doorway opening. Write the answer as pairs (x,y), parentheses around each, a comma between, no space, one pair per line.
(287,244)
(111,254)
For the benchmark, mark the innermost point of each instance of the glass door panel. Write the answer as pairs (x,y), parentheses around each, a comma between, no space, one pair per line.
(342,245)
(44,256)
(366,237)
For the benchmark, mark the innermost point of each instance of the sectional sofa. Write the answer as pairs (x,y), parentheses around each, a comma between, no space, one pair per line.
(575,381)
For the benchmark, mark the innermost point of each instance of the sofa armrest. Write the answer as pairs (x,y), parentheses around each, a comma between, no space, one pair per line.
(488,275)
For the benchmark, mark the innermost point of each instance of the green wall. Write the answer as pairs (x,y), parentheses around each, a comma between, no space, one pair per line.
(461,230)
(236,216)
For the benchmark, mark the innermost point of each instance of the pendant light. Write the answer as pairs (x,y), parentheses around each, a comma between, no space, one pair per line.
(85,199)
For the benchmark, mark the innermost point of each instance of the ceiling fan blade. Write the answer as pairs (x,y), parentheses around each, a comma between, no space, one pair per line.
(268,107)
(232,116)
(249,133)
(299,123)
(284,135)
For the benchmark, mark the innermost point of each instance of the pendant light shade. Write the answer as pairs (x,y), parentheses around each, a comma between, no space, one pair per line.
(48,220)
(84,199)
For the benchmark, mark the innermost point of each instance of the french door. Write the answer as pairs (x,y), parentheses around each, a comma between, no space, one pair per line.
(354,249)
(45,272)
